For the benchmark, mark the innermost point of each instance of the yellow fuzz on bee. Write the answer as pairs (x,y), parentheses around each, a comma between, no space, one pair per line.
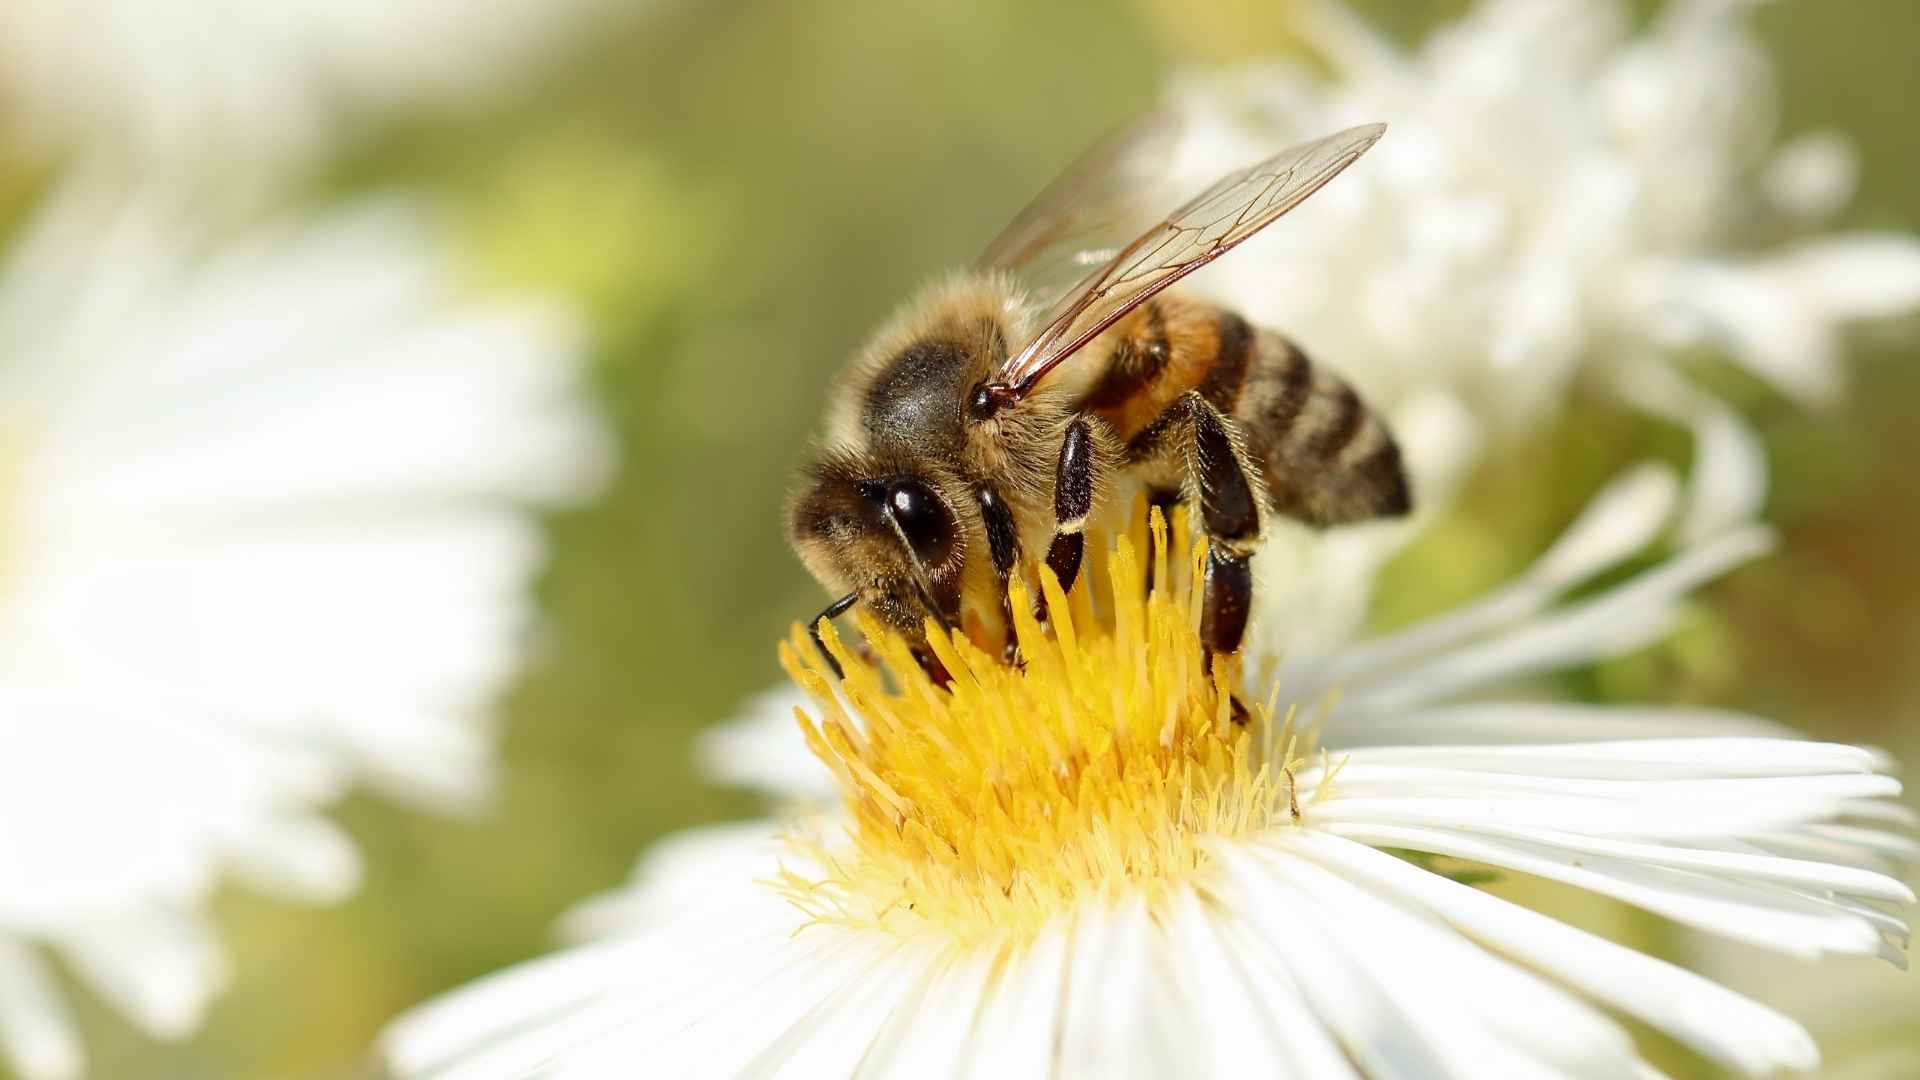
(1101,763)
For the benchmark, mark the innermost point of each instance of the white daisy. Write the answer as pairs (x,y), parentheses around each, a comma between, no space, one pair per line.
(1087,867)
(263,532)
(222,84)
(1558,200)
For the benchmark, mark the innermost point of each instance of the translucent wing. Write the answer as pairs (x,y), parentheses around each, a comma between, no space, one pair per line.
(1111,193)
(1207,226)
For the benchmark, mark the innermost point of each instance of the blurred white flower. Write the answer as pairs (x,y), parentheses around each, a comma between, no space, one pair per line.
(263,532)
(1862,1012)
(229,85)
(1083,868)
(1557,199)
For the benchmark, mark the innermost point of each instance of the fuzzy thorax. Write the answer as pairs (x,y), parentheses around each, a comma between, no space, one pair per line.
(1104,763)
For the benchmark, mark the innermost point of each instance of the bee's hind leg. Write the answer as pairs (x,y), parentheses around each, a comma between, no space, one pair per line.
(1221,479)
(1230,499)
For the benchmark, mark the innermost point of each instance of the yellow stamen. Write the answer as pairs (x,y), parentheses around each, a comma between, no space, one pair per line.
(991,805)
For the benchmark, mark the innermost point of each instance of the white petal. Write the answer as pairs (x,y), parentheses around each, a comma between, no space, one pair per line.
(1796,844)
(1109,1028)
(1891,845)
(1313,590)
(1857,275)
(1732,1029)
(1255,1021)
(762,749)
(1618,621)
(563,1001)
(1812,176)
(1767,323)
(683,874)
(1702,758)
(1759,869)
(1354,984)
(546,1048)
(461,1024)
(1277,931)
(844,1023)
(740,1009)
(1524,1013)
(1728,481)
(1886,813)
(304,858)
(728,1011)
(1021,1018)
(1670,809)
(159,968)
(929,1033)
(1493,722)
(37,1035)
(1615,525)
(1619,521)
(1768,918)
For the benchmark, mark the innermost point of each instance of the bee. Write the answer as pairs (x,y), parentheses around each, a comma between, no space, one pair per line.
(994,415)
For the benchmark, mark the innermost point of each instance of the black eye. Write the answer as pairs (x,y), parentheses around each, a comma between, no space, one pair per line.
(926,523)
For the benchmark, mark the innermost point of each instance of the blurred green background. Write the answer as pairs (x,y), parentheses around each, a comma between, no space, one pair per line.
(736,192)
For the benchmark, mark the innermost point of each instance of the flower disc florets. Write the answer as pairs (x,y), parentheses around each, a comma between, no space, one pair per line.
(1100,763)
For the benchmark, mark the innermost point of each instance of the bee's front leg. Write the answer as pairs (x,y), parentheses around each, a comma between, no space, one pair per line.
(930,663)
(1003,544)
(829,613)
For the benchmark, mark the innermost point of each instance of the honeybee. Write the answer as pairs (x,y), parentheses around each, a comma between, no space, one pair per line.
(998,411)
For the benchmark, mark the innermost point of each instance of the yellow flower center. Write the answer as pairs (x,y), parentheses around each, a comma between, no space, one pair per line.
(1099,764)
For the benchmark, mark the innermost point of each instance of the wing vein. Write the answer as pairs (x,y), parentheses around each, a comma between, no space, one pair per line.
(1051,236)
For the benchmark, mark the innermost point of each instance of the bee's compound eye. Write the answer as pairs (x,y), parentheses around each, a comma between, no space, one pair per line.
(923,519)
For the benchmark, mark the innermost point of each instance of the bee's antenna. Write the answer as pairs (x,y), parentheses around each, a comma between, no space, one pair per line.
(831,611)
(926,599)
(920,578)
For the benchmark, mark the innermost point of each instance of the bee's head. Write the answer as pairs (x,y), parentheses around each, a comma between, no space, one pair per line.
(884,531)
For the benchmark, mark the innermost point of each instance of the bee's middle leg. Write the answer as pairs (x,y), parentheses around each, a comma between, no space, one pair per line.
(1003,544)
(1074,475)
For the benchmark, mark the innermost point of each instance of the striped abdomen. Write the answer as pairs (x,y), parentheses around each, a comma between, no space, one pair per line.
(1326,457)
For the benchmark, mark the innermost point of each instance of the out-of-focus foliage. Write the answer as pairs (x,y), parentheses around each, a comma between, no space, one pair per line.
(736,193)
